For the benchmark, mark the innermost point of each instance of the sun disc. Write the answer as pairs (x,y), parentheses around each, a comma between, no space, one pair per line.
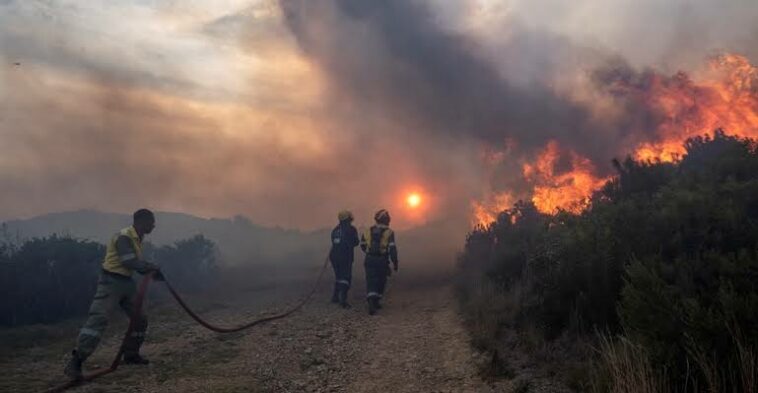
(414,200)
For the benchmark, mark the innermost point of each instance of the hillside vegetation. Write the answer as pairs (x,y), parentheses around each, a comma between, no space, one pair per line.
(659,273)
(48,279)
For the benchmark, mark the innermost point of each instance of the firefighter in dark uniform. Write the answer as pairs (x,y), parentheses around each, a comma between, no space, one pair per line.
(378,242)
(344,241)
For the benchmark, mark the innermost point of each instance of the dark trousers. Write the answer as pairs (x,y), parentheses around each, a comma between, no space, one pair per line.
(377,268)
(343,273)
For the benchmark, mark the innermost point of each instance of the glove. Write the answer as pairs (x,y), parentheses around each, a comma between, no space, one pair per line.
(151,267)
(158,275)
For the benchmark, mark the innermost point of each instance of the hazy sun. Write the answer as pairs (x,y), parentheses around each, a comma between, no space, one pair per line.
(413,200)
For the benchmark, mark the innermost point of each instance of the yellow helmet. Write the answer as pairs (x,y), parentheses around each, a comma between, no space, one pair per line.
(345,215)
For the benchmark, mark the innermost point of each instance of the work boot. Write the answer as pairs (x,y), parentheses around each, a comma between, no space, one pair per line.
(73,367)
(135,358)
(372,306)
(343,299)
(378,304)
(335,295)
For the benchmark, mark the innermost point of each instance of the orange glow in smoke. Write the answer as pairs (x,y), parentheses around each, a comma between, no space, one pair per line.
(413,200)
(414,206)
(724,96)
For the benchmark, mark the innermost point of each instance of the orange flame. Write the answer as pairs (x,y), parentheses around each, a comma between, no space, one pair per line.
(486,211)
(569,190)
(726,97)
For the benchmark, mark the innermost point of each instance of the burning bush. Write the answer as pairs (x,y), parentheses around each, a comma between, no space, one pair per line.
(665,254)
(651,114)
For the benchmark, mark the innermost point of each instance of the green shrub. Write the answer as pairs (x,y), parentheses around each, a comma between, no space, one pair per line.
(666,253)
(48,279)
(190,264)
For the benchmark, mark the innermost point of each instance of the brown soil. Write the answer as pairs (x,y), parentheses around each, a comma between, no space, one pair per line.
(415,344)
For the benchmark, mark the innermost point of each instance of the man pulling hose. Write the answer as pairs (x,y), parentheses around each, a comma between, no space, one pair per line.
(115,287)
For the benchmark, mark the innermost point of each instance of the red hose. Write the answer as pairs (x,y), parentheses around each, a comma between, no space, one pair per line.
(140,298)
(218,329)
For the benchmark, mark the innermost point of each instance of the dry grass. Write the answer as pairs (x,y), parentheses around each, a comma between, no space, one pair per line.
(747,362)
(748,367)
(709,367)
(740,373)
(486,310)
(625,368)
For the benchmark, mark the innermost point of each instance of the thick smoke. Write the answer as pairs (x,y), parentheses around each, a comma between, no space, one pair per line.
(530,77)
(289,111)
(393,57)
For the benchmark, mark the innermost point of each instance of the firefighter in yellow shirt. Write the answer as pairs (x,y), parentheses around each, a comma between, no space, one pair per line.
(116,288)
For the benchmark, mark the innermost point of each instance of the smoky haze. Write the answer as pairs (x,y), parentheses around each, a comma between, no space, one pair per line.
(288,111)
(394,57)
(532,76)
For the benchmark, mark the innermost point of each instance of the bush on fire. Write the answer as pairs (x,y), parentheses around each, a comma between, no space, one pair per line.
(666,254)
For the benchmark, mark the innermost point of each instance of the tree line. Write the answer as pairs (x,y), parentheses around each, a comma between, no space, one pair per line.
(47,279)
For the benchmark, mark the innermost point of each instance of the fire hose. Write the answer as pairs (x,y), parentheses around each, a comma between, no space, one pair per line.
(139,300)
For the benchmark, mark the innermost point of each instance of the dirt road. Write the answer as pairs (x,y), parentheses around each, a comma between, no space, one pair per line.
(415,344)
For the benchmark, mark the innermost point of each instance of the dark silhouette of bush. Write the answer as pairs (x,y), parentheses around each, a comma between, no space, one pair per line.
(190,264)
(48,279)
(666,254)
(696,300)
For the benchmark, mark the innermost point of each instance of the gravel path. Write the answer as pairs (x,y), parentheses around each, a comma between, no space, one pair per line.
(415,344)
